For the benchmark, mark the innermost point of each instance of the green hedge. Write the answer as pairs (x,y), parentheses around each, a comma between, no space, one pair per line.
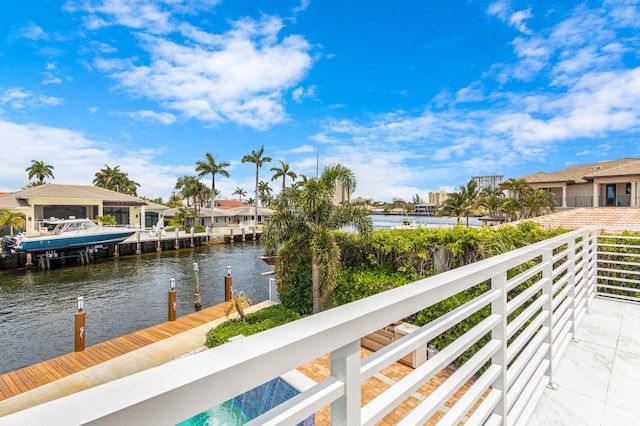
(256,322)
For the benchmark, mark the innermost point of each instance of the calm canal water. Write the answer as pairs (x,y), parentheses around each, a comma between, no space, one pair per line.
(121,296)
(127,294)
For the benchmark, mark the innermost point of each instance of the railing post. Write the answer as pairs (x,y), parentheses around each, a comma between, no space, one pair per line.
(345,366)
(571,282)
(547,290)
(592,264)
(499,307)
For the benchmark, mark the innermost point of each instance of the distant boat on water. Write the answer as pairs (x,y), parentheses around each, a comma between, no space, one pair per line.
(66,234)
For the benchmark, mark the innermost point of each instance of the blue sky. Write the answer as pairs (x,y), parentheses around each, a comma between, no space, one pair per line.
(413,96)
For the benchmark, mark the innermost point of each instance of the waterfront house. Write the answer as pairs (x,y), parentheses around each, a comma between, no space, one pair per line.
(604,184)
(227,213)
(82,201)
(426,209)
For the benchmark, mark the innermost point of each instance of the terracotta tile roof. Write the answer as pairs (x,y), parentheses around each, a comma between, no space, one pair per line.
(578,218)
(230,204)
(577,174)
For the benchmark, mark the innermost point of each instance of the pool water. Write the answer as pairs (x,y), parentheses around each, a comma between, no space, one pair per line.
(248,406)
(227,413)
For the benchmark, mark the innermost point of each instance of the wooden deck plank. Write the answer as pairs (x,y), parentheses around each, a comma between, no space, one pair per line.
(18,383)
(31,377)
(6,390)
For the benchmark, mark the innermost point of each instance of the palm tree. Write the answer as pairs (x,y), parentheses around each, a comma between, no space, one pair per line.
(283,172)
(539,202)
(210,167)
(240,193)
(175,200)
(462,203)
(264,191)
(12,220)
(519,190)
(257,159)
(491,199)
(189,187)
(40,171)
(238,299)
(453,206)
(115,180)
(304,225)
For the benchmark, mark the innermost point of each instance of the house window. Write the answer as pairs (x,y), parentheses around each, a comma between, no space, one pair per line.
(628,191)
(120,213)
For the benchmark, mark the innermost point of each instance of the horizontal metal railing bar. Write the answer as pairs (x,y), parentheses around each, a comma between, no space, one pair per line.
(617,254)
(617,271)
(386,356)
(380,406)
(560,255)
(559,270)
(562,312)
(561,340)
(525,336)
(560,283)
(483,414)
(517,301)
(619,296)
(437,398)
(471,396)
(619,262)
(615,279)
(516,411)
(301,406)
(537,346)
(515,390)
(602,244)
(524,276)
(561,297)
(525,315)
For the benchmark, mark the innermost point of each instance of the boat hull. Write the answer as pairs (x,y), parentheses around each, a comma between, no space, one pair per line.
(62,242)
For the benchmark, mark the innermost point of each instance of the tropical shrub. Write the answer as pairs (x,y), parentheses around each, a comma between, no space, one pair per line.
(255,322)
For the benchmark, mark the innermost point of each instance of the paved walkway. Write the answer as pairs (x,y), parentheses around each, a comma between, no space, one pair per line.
(598,376)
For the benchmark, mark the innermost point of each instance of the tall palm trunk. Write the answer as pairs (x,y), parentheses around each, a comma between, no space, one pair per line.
(255,213)
(315,279)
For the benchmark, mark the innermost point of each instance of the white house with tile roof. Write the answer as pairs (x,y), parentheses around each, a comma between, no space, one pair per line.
(82,201)
(605,184)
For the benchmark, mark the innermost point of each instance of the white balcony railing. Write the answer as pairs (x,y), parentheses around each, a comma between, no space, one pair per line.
(529,300)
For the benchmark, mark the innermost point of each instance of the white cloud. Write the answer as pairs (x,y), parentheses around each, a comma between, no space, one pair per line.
(77,158)
(502,9)
(18,98)
(54,80)
(516,20)
(33,32)
(299,93)
(239,77)
(160,117)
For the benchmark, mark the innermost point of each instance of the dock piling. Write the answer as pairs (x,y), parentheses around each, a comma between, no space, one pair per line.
(172,299)
(197,302)
(227,285)
(80,319)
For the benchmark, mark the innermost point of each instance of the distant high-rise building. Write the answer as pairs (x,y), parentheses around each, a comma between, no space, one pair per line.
(342,195)
(490,181)
(438,197)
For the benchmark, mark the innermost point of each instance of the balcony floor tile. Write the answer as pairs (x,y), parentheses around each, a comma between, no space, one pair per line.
(598,376)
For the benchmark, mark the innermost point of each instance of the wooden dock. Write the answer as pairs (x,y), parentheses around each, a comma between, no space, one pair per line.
(34,376)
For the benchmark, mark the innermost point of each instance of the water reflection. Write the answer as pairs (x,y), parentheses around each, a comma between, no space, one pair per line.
(121,296)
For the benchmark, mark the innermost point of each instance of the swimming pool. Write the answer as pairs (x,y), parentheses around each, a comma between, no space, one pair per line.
(248,406)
